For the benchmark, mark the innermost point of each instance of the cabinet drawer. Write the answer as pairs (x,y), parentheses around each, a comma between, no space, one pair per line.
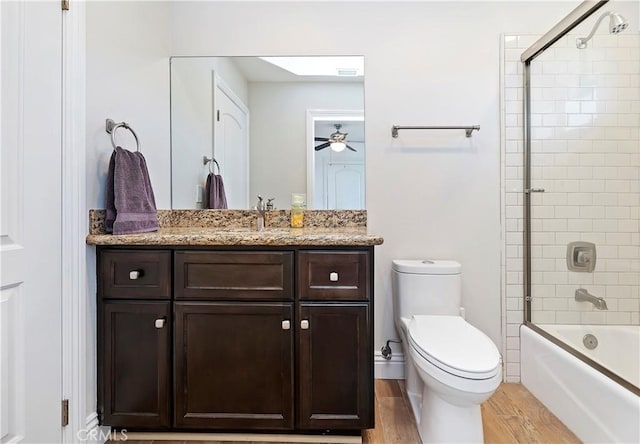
(223,275)
(333,275)
(126,274)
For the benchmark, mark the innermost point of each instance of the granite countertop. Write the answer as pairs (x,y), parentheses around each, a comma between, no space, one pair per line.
(237,227)
(275,236)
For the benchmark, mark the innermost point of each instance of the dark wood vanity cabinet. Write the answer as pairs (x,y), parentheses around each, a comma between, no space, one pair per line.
(135,364)
(236,338)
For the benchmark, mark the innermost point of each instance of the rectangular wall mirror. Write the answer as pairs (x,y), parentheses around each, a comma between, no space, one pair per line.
(274,126)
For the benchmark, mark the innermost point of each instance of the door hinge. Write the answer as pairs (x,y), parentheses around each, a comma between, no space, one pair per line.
(218,115)
(65,5)
(65,412)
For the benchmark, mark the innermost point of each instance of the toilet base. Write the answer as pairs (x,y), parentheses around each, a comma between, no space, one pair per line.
(442,422)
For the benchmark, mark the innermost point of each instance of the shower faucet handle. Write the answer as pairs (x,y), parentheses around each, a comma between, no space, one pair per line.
(583,257)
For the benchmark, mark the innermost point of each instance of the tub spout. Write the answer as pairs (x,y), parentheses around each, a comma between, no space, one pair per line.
(584,295)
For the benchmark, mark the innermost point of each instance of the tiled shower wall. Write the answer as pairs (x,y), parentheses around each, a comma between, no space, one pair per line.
(586,155)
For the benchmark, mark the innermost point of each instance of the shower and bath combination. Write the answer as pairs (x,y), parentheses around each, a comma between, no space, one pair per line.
(580,332)
(617,24)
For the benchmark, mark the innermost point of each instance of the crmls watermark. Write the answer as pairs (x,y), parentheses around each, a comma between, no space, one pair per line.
(99,435)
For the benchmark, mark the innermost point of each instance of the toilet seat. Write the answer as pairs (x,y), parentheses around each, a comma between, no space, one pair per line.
(455,346)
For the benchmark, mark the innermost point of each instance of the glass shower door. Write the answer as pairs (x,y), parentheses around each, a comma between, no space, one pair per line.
(584,193)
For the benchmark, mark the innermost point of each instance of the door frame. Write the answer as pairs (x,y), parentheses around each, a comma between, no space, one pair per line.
(323,115)
(75,224)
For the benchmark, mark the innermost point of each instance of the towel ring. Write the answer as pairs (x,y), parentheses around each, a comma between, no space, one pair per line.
(211,162)
(111,128)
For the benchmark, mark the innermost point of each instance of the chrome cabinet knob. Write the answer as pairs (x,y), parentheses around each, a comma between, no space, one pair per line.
(160,323)
(286,325)
(333,276)
(304,324)
(135,274)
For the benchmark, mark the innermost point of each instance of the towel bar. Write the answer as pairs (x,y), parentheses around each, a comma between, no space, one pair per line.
(467,129)
(111,128)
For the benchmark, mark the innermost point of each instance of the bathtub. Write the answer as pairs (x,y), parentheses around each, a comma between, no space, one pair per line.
(595,407)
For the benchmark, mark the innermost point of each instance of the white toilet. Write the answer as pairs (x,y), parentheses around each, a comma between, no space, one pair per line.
(451,367)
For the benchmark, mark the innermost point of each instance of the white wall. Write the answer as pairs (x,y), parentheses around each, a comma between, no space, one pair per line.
(279,132)
(127,79)
(427,63)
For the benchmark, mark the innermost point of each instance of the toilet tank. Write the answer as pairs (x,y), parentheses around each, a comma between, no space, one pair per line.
(426,287)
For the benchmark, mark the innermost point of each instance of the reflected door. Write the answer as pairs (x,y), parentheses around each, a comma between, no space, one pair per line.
(345,186)
(231,143)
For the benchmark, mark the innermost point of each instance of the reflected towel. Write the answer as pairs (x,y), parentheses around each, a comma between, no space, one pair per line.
(131,204)
(214,194)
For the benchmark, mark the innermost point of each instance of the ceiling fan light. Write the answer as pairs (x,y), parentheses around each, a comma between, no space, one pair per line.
(338,146)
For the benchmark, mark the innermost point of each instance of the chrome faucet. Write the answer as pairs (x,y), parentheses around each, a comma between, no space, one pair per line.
(260,208)
(583,295)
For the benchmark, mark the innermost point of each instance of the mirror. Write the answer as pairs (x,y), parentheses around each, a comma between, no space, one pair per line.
(274,126)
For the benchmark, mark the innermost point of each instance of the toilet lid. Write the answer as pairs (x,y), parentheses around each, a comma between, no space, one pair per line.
(455,346)
(426,266)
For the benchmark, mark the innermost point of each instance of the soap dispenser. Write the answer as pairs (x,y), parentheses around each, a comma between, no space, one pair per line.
(298,205)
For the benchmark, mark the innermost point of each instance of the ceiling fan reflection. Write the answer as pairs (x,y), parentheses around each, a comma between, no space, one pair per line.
(337,141)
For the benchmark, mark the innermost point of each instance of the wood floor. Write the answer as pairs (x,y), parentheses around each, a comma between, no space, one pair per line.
(512,415)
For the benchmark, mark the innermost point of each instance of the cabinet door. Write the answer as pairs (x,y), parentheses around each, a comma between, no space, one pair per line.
(233,365)
(134,362)
(335,371)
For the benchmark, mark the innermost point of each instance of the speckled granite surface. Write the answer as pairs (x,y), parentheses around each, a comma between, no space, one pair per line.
(237,227)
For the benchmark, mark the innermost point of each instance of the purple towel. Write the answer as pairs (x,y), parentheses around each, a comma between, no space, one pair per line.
(214,195)
(131,204)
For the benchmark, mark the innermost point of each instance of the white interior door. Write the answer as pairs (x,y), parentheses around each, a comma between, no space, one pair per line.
(231,143)
(345,186)
(30,230)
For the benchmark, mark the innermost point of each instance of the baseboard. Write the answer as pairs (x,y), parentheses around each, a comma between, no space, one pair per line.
(236,437)
(389,369)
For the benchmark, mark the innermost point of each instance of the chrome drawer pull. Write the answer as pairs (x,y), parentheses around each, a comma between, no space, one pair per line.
(333,276)
(160,323)
(135,274)
(286,325)
(304,324)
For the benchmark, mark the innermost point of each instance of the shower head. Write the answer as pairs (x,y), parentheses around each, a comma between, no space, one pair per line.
(617,24)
